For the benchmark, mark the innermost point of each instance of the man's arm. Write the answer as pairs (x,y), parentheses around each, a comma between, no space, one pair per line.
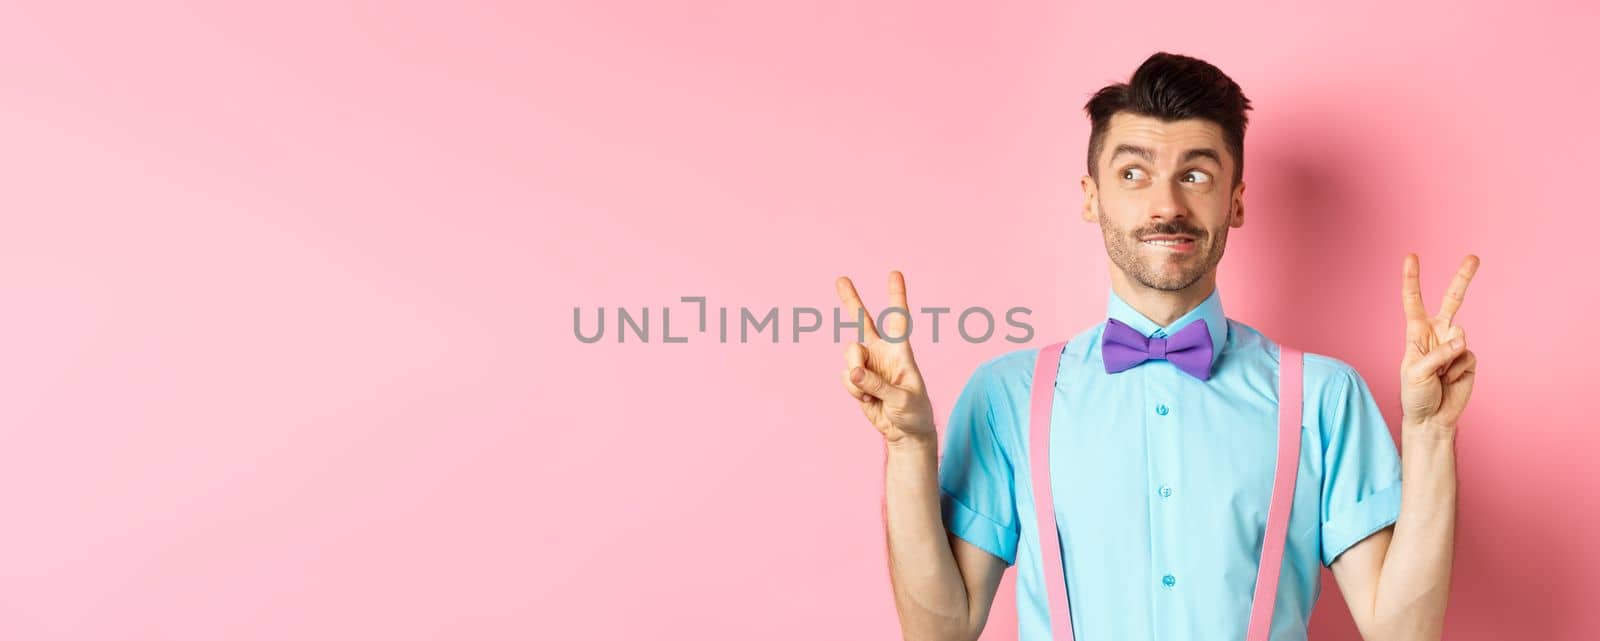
(981,573)
(943,586)
(1397,581)
(1406,601)
(925,574)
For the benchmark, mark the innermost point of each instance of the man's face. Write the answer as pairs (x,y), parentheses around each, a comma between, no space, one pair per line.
(1167,180)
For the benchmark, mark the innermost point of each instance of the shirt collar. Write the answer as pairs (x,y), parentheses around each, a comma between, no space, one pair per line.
(1209,309)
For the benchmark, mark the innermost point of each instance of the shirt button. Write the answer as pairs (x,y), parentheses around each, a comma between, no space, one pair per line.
(1161,409)
(1169,580)
(1165,491)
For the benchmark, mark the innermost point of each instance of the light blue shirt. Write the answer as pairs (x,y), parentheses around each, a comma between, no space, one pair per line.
(1162,481)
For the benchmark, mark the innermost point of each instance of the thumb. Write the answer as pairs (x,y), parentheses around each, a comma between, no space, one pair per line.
(871,383)
(1433,362)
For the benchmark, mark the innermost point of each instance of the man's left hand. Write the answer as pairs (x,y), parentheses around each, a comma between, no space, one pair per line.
(1437,371)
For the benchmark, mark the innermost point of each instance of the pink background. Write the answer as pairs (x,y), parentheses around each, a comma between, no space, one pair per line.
(288,292)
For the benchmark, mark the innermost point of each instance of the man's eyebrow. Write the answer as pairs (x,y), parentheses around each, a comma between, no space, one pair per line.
(1203,152)
(1136,150)
(1148,156)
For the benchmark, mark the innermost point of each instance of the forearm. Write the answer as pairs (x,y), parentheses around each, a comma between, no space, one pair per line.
(1414,584)
(928,591)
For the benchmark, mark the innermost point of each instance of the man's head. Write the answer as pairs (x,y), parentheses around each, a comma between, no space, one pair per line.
(1166,155)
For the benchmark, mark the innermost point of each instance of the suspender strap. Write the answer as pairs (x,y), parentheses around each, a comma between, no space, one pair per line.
(1283,481)
(1055,579)
(1289,391)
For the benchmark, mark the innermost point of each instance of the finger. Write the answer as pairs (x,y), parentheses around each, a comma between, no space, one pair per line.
(1456,332)
(855,355)
(871,383)
(1416,331)
(853,307)
(1458,289)
(1433,362)
(1411,289)
(1465,363)
(895,325)
(851,387)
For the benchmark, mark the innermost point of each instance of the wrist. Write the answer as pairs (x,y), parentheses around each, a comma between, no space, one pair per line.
(1424,427)
(915,444)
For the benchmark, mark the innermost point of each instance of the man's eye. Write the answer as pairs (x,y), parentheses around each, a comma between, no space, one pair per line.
(1196,177)
(1132,173)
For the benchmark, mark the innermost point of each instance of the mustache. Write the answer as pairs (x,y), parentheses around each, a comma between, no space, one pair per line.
(1172,229)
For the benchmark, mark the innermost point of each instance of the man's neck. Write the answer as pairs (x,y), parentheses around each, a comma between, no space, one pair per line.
(1160,305)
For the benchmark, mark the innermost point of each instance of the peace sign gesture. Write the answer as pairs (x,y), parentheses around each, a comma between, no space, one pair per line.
(881,373)
(1437,371)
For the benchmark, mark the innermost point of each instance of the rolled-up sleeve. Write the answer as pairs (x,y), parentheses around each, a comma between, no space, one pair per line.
(1361,480)
(975,476)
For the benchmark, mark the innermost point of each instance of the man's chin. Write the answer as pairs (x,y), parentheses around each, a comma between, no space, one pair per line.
(1170,282)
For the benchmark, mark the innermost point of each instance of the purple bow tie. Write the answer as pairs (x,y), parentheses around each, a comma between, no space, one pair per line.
(1123,347)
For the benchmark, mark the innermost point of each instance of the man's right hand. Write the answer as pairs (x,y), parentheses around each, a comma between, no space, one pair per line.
(881,373)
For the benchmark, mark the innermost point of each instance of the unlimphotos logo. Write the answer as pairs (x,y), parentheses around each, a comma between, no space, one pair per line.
(972,324)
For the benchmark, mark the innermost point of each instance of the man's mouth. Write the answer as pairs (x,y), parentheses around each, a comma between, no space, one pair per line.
(1175,243)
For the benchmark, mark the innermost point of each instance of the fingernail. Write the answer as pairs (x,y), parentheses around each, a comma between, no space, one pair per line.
(1455,343)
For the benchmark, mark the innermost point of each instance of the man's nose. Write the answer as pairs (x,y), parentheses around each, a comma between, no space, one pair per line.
(1167,203)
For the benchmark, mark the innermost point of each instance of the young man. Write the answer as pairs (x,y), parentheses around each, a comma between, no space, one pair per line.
(1162,463)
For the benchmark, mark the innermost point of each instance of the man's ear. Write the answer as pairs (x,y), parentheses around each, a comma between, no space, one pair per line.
(1090,195)
(1237,217)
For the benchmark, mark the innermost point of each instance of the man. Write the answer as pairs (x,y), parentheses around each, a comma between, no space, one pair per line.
(1163,473)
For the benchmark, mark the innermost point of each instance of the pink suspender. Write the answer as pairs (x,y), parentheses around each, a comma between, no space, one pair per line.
(1055,579)
(1043,397)
(1289,391)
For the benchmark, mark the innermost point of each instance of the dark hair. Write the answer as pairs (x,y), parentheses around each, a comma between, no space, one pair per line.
(1173,87)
